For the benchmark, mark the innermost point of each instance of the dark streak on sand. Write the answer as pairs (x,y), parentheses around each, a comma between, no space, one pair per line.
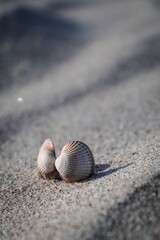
(138,217)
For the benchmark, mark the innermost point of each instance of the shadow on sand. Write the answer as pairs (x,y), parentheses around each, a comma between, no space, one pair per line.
(137,217)
(102,172)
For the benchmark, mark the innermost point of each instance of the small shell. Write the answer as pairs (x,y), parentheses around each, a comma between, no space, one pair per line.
(75,162)
(46,160)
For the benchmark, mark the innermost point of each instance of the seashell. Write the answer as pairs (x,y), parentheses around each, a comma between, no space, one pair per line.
(75,162)
(46,160)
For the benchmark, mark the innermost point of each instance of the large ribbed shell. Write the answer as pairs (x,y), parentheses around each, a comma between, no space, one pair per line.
(46,160)
(75,162)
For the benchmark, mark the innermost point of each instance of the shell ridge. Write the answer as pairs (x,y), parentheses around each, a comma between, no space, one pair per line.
(46,160)
(75,162)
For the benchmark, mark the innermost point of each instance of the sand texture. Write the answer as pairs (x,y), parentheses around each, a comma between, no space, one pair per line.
(87,71)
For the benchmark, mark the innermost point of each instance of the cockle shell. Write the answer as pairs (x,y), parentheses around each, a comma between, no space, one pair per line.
(75,162)
(46,160)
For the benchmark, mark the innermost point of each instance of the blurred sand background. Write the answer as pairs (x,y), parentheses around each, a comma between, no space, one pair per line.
(89,71)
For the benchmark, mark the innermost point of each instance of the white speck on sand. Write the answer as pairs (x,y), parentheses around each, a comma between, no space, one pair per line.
(20,100)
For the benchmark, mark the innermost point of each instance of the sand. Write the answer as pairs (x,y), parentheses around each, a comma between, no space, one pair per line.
(88,71)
